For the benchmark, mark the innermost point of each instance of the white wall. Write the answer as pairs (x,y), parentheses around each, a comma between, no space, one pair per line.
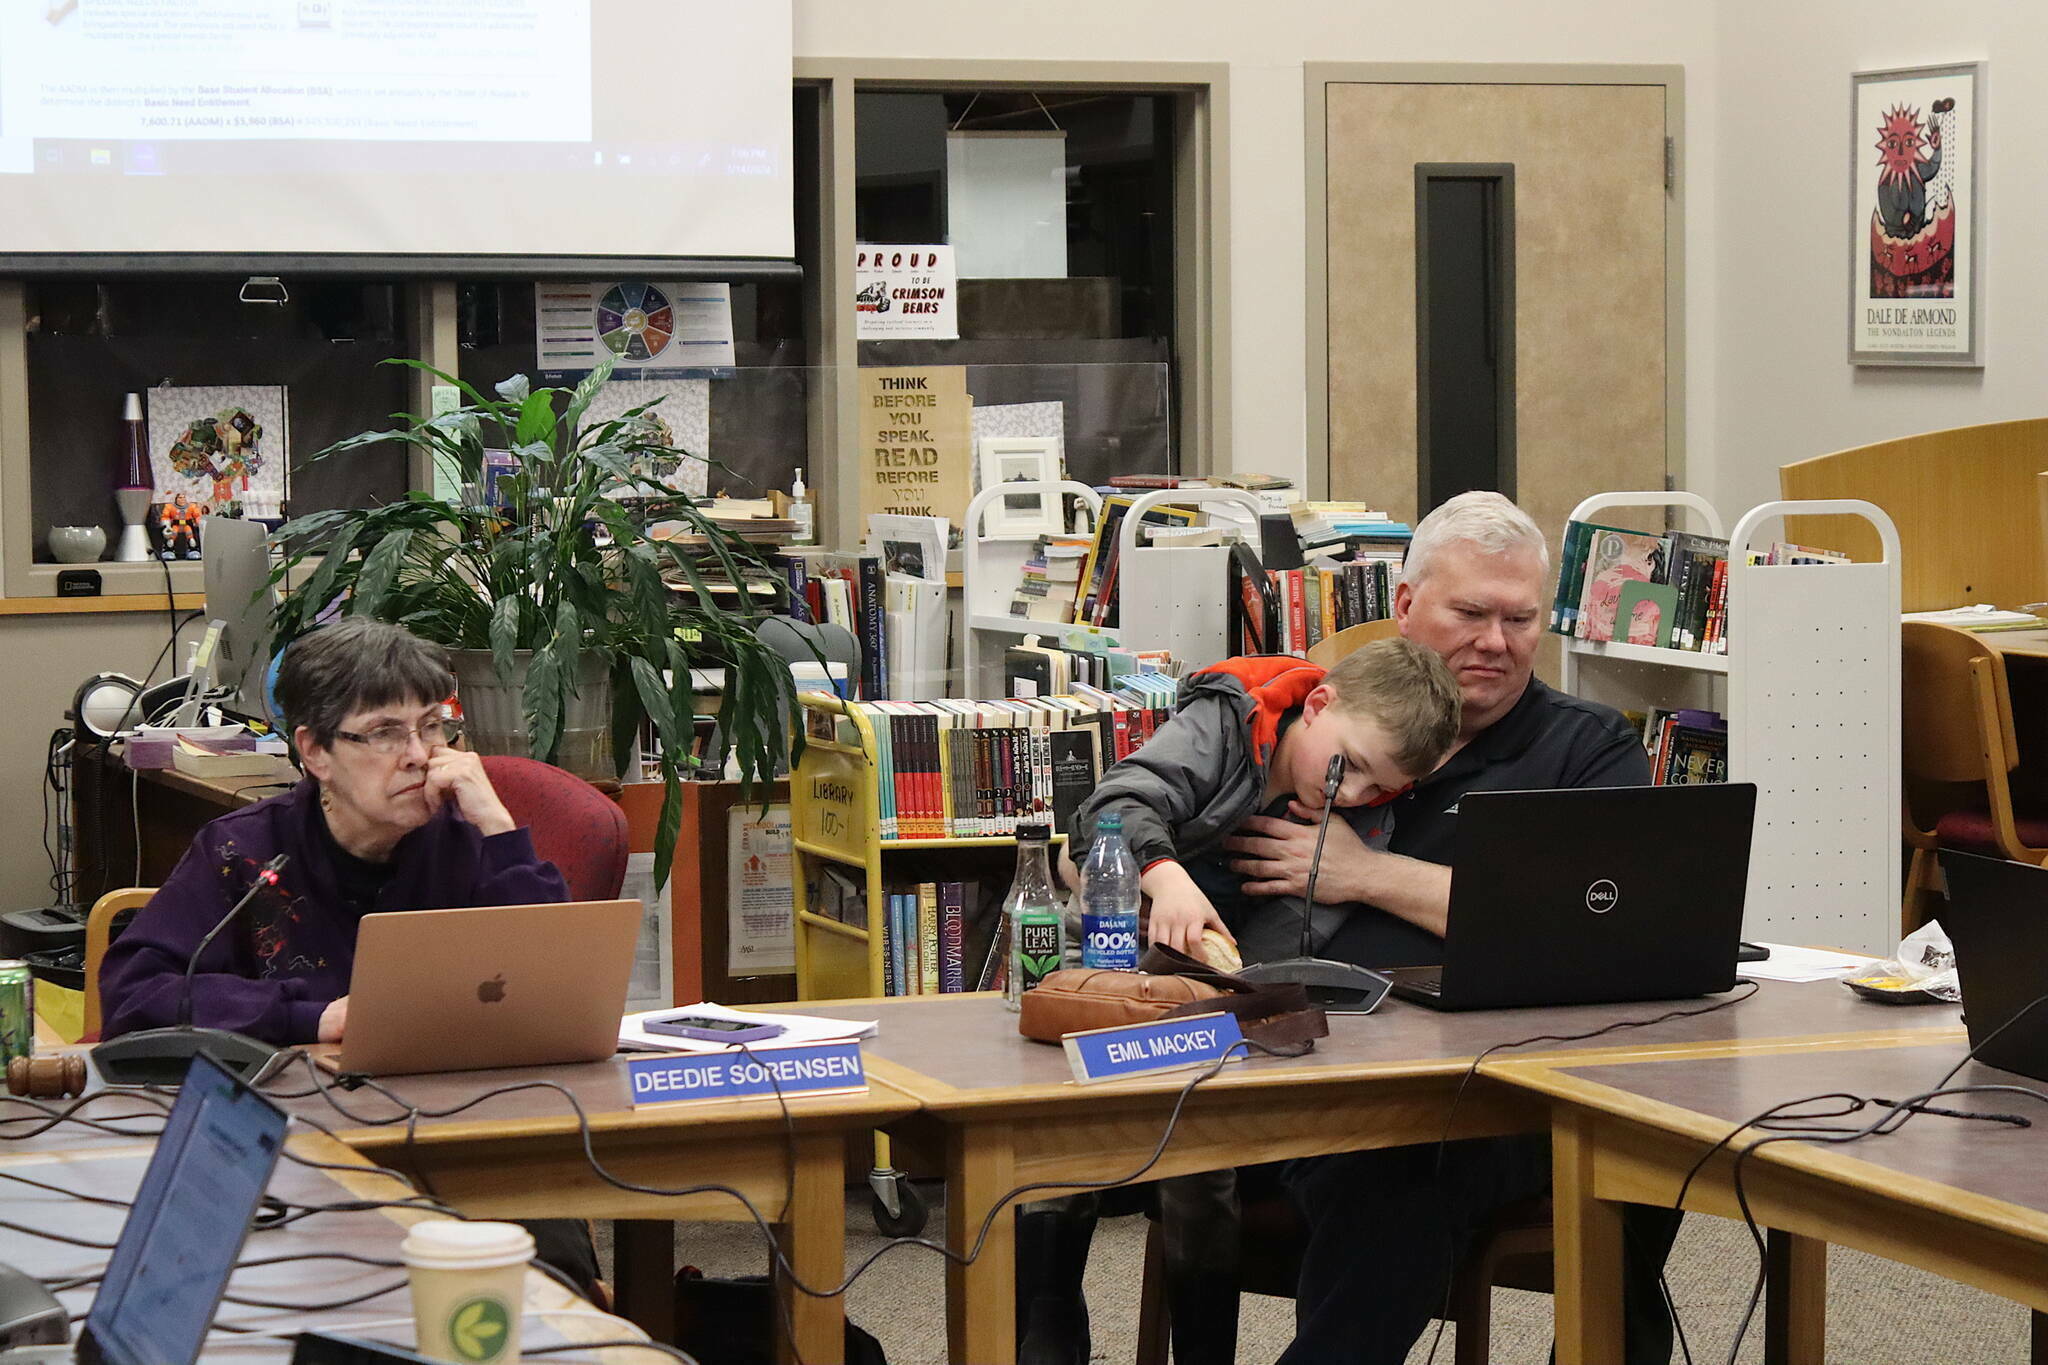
(1780,243)
(1265,46)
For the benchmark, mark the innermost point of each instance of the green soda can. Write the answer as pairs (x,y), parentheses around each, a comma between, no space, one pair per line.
(17,1011)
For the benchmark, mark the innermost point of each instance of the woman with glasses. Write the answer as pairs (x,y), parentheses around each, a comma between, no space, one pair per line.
(390,817)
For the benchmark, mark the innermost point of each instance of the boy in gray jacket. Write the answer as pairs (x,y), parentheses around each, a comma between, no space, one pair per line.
(1252,735)
(1256,735)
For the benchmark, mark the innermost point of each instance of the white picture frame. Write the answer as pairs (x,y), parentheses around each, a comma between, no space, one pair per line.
(1916,215)
(1011,459)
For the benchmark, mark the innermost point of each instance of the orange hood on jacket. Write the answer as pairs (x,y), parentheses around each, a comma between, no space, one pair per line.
(1277,684)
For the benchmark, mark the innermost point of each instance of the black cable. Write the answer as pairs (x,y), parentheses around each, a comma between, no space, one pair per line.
(79,1195)
(379,1262)
(663,1348)
(635,1187)
(1803,1128)
(379,1292)
(66,1238)
(52,1115)
(779,1262)
(1450,1116)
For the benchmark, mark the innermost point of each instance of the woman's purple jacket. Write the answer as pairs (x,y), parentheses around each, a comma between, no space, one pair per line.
(288,954)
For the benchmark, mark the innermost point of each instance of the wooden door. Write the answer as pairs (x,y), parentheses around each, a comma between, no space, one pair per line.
(1588,247)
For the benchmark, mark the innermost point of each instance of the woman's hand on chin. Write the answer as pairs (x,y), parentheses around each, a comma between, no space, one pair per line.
(457,775)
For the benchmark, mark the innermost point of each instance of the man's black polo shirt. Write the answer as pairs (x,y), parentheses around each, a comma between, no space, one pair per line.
(1549,740)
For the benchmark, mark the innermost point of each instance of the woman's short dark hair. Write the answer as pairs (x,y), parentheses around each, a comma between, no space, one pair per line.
(354,665)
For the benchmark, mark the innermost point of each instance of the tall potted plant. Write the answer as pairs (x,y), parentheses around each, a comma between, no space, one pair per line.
(553,589)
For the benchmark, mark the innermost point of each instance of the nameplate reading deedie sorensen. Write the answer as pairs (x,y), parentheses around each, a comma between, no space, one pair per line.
(814,1068)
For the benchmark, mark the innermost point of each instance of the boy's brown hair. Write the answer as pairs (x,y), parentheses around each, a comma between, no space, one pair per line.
(1407,690)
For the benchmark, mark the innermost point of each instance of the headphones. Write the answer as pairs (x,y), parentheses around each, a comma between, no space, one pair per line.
(108,703)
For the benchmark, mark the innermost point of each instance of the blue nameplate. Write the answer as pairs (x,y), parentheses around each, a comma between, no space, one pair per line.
(666,1077)
(1108,1054)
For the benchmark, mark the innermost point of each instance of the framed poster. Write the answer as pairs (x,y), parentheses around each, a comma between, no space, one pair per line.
(1916,220)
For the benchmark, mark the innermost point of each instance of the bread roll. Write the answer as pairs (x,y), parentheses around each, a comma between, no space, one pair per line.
(1218,951)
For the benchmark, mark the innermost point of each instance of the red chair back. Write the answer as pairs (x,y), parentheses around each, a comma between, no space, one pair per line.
(574,825)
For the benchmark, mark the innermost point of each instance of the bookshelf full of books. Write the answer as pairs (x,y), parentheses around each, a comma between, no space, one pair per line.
(1751,658)
(904,815)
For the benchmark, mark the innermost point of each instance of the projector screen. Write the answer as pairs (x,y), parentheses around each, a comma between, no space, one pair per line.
(402,127)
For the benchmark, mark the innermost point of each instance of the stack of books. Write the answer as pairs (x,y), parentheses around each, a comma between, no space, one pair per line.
(961,769)
(1095,592)
(938,937)
(1666,590)
(1366,529)
(1035,669)
(1307,605)
(1686,748)
(900,620)
(928,937)
(1051,575)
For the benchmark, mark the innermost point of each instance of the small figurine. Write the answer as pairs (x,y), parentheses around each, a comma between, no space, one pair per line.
(179,520)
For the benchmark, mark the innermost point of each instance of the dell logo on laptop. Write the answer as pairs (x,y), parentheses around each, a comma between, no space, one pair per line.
(1602,896)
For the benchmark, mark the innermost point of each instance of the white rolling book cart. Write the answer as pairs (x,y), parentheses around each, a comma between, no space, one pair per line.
(1810,690)
(1170,596)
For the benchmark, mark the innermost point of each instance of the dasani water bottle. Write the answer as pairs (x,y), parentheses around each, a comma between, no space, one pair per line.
(1109,899)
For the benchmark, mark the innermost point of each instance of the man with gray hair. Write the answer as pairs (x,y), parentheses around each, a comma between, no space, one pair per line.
(1387,1226)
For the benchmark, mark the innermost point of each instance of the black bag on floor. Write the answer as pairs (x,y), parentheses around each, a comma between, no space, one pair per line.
(735,1322)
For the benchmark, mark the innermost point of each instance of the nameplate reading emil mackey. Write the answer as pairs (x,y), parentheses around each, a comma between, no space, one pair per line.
(1109,1054)
(809,1069)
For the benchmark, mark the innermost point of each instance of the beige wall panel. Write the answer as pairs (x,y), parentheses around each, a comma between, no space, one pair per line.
(1589,281)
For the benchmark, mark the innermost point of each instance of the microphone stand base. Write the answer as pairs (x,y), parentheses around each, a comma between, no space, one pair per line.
(1339,987)
(159,1056)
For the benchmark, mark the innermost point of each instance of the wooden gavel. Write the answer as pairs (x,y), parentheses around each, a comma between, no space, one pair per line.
(57,1076)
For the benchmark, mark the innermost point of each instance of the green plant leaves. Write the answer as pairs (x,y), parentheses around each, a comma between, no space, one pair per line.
(380,571)
(530,575)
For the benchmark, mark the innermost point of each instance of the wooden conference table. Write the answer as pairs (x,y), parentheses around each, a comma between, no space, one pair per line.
(1963,1199)
(521,1155)
(1006,1111)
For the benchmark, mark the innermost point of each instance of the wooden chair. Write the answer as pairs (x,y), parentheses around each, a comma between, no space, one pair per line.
(1958,753)
(99,932)
(1327,651)
(1513,1254)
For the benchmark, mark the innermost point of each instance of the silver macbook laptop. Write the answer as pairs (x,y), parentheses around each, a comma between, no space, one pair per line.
(497,985)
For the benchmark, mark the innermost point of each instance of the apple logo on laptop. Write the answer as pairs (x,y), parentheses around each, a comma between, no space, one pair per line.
(492,991)
(1602,896)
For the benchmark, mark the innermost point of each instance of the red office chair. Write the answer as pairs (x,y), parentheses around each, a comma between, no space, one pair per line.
(574,825)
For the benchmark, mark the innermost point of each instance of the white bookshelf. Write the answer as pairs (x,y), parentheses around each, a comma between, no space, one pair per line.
(1158,605)
(990,568)
(1810,690)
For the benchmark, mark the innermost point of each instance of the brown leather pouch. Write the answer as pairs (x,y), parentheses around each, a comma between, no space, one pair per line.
(1080,998)
(1276,1018)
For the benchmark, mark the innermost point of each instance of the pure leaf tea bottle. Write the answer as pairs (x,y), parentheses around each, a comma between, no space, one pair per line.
(1031,917)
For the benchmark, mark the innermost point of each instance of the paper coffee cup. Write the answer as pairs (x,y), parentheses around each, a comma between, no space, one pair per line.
(468,1288)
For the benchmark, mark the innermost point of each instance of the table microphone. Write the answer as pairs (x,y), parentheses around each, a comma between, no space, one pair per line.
(159,1056)
(1339,987)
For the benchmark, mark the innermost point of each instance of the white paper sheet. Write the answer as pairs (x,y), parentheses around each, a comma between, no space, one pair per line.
(1787,963)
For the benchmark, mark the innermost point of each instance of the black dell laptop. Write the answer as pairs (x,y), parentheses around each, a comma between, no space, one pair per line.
(1591,896)
(1997,922)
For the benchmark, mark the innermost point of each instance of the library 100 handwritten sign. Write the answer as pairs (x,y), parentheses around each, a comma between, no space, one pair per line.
(916,441)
